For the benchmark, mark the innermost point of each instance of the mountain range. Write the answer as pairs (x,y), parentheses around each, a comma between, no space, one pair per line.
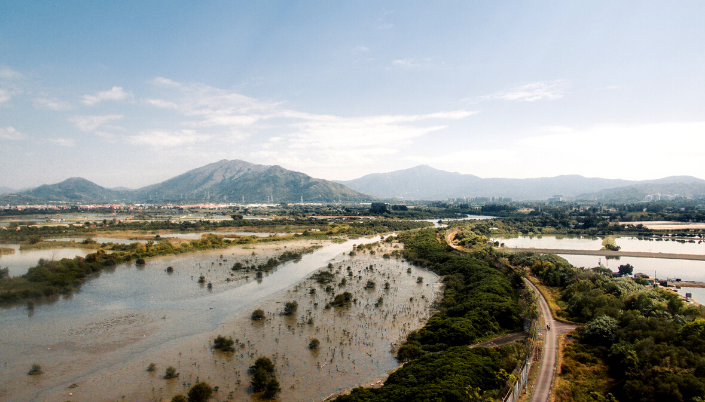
(223,181)
(238,181)
(426,183)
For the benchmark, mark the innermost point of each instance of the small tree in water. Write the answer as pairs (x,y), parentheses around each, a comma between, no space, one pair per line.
(200,392)
(264,378)
(314,344)
(170,373)
(290,308)
(258,315)
(223,344)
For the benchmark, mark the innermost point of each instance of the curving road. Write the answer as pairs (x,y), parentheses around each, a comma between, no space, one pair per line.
(547,365)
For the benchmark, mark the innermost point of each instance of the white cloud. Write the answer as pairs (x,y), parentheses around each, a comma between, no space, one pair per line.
(360,49)
(165,82)
(544,90)
(115,93)
(290,137)
(64,142)
(6,73)
(385,25)
(4,95)
(161,103)
(51,104)
(9,133)
(90,123)
(411,62)
(168,138)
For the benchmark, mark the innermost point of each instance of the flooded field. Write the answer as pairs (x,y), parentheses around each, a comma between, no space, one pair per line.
(97,344)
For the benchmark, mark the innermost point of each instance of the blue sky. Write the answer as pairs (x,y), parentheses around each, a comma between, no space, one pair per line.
(130,94)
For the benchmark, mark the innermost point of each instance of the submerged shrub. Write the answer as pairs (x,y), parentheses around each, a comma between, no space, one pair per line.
(170,372)
(314,344)
(35,370)
(224,344)
(258,315)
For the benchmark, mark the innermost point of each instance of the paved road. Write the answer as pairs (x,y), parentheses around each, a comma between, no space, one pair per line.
(547,367)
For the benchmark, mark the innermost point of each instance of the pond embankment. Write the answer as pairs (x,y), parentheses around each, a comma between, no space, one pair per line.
(606,253)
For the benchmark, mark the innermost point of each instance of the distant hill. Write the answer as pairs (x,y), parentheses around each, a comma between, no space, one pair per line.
(217,182)
(75,189)
(689,187)
(427,183)
(233,180)
(4,190)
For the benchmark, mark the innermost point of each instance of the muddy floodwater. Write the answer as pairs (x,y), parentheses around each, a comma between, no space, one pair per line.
(97,344)
(21,260)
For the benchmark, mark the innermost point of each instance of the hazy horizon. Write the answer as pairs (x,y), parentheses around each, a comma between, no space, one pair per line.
(131,94)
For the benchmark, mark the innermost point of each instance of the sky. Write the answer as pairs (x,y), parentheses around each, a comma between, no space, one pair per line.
(131,93)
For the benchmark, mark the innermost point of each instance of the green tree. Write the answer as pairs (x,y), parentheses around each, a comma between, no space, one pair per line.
(626,270)
(272,388)
(200,392)
(601,330)
(179,398)
(314,344)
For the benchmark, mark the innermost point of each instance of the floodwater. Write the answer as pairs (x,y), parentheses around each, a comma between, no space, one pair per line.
(103,337)
(687,270)
(21,260)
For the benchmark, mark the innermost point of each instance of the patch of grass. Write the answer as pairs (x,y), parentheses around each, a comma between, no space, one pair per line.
(44,245)
(583,375)
(551,295)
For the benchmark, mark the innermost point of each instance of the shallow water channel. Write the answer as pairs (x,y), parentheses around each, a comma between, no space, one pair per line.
(103,337)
